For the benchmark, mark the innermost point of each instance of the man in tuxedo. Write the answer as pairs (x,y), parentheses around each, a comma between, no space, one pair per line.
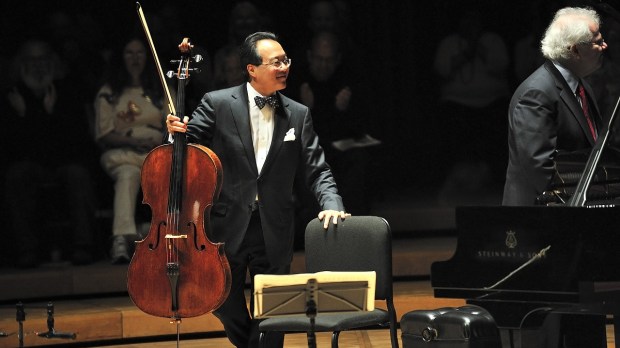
(263,144)
(545,113)
(554,110)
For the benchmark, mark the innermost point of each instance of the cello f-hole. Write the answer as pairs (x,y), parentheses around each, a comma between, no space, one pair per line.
(198,246)
(159,227)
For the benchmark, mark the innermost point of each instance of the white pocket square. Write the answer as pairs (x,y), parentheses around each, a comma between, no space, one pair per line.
(290,135)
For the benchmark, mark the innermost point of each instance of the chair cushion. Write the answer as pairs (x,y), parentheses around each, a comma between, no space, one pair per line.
(326,322)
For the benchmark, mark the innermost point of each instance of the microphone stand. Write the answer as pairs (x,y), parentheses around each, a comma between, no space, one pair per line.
(311,310)
(20,316)
(51,331)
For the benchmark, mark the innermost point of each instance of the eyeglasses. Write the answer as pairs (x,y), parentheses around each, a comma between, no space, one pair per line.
(286,62)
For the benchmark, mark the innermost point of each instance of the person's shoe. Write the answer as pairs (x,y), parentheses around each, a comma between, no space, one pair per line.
(119,252)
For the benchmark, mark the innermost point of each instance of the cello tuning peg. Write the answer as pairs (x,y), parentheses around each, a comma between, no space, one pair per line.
(170,74)
(198,58)
(196,70)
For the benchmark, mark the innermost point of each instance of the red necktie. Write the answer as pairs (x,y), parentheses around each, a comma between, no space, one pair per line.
(584,106)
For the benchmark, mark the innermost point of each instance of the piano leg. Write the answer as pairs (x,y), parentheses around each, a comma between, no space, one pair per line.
(513,338)
(545,335)
(541,334)
(578,330)
(560,330)
(616,323)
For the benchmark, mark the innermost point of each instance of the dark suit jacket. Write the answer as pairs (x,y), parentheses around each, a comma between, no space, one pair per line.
(544,116)
(222,123)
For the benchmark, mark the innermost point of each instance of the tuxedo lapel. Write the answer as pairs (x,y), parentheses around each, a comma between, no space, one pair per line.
(241,116)
(570,100)
(568,97)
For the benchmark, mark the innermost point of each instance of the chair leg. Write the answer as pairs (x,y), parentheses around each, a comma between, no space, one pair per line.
(393,335)
(335,335)
(393,321)
(261,339)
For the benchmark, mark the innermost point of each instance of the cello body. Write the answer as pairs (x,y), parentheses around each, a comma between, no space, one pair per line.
(176,272)
(203,274)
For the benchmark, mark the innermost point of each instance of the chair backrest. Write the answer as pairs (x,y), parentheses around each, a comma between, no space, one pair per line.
(359,243)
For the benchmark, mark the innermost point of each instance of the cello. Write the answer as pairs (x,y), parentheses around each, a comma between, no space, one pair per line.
(175,271)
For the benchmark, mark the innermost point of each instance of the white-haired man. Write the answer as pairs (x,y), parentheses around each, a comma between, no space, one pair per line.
(554,110)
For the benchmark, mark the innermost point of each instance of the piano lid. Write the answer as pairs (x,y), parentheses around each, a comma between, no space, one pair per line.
(588,177)
(607,143)
(529,253)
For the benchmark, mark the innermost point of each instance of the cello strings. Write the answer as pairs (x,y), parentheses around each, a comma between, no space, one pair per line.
(179,152)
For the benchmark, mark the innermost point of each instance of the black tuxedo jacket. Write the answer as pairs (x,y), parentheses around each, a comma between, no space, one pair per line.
(222,123)
(544,117)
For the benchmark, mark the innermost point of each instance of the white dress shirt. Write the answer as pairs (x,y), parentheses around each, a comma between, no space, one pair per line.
(261,121)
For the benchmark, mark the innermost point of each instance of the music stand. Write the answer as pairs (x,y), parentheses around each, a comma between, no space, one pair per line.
(311,294)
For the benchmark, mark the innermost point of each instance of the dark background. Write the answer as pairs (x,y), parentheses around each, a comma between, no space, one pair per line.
(395,45)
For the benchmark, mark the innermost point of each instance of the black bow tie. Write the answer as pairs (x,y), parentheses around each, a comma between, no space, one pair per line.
(261,101)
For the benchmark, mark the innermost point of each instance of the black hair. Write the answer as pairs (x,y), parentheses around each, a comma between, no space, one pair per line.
(118,78)
(248,54)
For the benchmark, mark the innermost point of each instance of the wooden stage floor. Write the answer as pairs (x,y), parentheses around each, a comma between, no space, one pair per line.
(116,322)
(92,302)
(353,339)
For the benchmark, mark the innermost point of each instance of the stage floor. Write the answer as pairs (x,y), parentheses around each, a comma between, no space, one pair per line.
(116,322)
(110,320)
(351,339)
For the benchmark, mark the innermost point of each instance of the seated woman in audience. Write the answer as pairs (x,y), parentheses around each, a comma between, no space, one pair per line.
(129,123)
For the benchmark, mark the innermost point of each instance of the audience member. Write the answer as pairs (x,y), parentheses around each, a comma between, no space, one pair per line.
(326,86)
(229,73)
(245,18)
(325,16)
(472,64)
(129,123)
(48,148)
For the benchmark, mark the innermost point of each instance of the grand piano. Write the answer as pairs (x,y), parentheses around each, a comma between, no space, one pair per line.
(523,263)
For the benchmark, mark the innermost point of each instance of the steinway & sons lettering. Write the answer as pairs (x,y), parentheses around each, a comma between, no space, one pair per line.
(507,251)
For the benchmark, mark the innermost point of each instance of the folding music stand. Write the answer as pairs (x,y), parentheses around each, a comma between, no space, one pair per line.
(311,294)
